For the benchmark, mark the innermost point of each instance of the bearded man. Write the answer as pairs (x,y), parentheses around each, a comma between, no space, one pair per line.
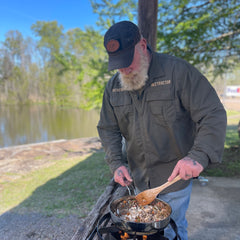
(168,113)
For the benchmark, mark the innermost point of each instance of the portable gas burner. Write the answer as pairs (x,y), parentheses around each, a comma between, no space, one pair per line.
(107,230)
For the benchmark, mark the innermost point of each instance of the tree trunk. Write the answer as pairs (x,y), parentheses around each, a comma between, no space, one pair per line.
(147,20)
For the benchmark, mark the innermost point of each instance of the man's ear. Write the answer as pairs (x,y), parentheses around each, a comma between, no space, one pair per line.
(143,44)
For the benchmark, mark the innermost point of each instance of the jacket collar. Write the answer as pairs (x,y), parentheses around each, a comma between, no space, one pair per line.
(156,67)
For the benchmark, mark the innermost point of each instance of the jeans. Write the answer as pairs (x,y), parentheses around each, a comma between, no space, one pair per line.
(179,201)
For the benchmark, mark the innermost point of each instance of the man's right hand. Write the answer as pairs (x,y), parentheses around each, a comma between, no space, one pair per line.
(121,176)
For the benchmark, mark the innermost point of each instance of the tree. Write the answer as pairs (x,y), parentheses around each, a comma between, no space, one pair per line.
(85,55)
(14,64)
(50,45)
(110,11)
(147,20)
(51,36)
(202,32)
(205,33)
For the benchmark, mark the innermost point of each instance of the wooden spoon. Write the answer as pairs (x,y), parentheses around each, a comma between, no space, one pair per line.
(147,196)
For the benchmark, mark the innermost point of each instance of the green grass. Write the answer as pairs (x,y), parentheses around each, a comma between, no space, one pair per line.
(69,186)
(230,166)
(231,113)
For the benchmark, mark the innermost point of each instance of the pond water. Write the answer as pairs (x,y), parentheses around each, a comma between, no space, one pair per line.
(33,124)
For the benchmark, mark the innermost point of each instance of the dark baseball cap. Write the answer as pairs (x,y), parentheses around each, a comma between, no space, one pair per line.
(120,41)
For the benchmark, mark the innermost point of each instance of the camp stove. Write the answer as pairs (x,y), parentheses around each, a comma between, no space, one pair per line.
(107,230)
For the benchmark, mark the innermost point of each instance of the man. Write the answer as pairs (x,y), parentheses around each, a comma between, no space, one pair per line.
(169,115)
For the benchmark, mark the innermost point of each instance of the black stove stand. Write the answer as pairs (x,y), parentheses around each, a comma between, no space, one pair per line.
(116,235)
(111,232)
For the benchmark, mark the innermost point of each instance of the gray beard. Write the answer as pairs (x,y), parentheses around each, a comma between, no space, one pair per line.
(136,79)
(133,82)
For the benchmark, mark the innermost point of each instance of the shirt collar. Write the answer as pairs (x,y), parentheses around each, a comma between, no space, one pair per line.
(155,68)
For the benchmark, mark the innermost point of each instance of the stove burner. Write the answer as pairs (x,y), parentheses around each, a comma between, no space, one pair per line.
(119,235)
(111,232)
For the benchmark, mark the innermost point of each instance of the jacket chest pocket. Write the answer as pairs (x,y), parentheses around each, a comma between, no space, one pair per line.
(162,106)
(123,108)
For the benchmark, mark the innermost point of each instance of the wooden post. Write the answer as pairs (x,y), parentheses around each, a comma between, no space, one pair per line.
(147,20)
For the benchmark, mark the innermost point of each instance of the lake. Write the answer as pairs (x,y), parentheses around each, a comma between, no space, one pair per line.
(33,124)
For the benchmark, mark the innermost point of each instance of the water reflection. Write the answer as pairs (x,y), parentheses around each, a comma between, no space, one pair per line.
(32,124)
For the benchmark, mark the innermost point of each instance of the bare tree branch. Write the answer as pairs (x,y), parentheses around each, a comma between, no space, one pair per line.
(232,33)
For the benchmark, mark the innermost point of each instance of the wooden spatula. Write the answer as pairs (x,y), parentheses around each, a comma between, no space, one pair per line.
(147,196)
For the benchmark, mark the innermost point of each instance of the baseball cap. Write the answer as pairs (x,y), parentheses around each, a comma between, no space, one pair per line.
(120,41)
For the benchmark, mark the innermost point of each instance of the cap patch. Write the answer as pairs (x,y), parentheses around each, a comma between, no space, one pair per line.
(113,45)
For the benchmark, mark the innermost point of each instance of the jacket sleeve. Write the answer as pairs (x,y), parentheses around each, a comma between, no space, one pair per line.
(110,134)
(200,99)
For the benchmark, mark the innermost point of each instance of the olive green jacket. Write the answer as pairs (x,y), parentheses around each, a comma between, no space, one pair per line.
(176,114)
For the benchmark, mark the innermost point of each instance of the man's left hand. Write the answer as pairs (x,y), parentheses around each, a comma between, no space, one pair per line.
(187,168)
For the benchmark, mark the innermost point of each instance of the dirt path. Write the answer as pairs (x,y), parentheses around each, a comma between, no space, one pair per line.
(232,103)
(24,158)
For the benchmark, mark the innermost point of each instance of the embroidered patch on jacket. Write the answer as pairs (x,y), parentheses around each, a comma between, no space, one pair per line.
(160,83)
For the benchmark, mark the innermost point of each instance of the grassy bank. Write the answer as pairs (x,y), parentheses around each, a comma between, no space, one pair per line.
(72,185)
(230,166)
(68,186)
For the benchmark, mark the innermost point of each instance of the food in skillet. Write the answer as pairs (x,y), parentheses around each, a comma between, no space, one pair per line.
(129,210)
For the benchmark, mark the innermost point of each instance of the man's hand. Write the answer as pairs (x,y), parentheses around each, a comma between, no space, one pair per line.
(187,168)
(122,176)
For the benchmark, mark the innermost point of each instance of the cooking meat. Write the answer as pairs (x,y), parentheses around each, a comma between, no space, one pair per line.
(129,210)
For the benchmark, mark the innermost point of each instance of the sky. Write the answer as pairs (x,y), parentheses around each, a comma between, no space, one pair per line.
(21,14)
